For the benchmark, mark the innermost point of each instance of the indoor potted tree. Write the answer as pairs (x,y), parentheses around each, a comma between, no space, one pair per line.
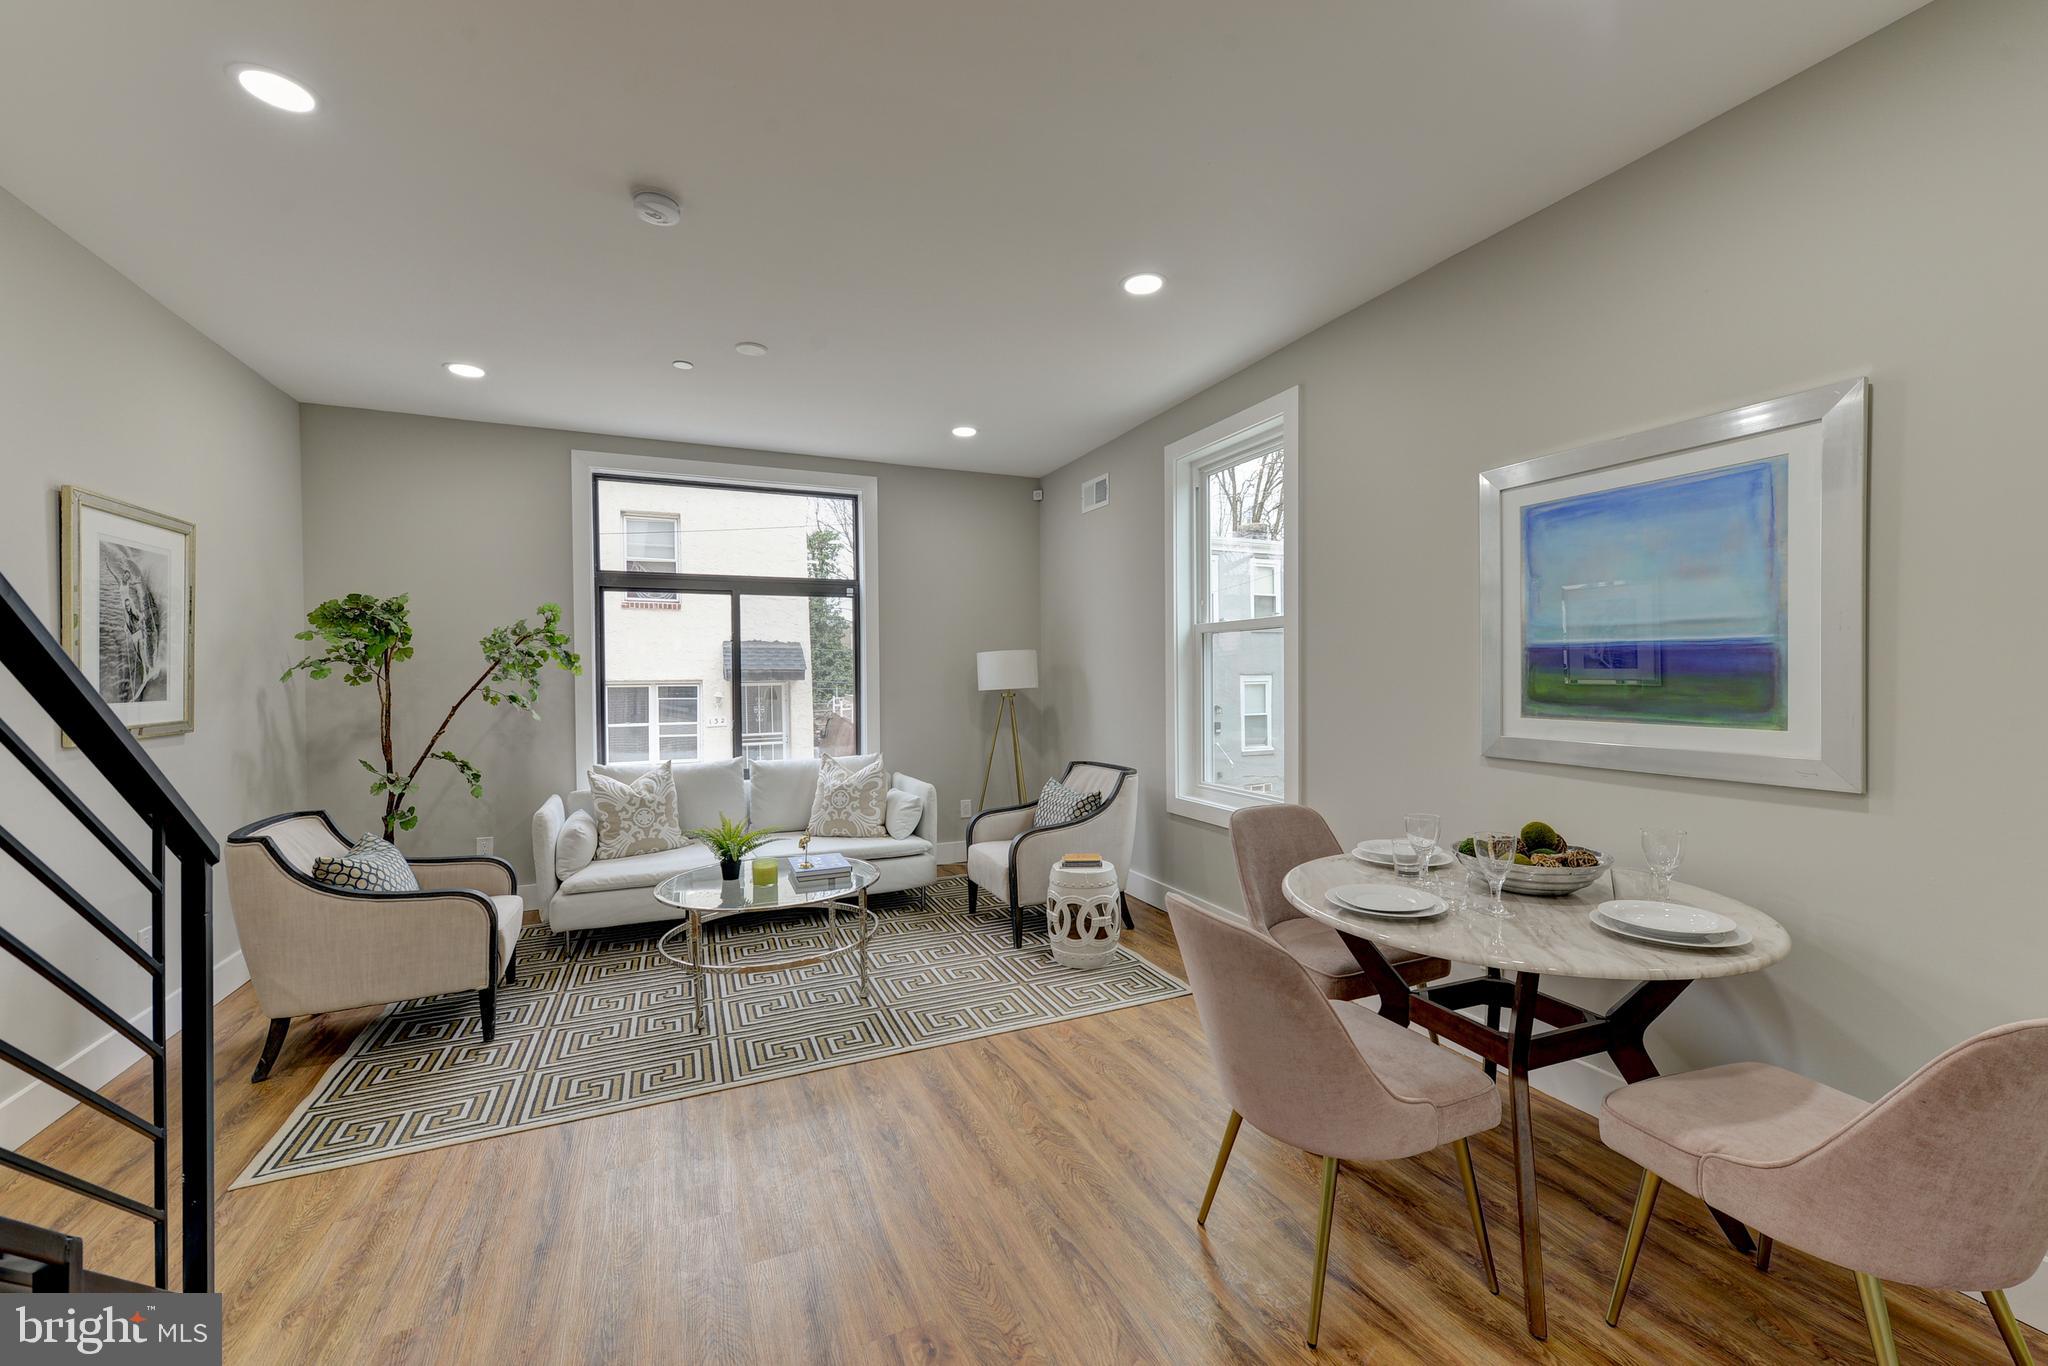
(365,636)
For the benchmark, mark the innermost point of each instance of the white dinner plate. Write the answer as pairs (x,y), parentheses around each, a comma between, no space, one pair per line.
(1382,853)
(1667,919)
(1393,903)
(1733,939)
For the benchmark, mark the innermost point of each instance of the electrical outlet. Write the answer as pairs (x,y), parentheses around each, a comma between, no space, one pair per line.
(486,844)
(966,807)
(142,935)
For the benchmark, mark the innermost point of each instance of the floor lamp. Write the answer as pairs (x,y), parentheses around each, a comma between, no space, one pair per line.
(1007,672)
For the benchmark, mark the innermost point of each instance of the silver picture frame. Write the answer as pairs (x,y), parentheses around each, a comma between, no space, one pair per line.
(150,682)
(1842,410)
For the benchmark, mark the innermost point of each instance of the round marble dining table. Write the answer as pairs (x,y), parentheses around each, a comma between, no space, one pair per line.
(1540,936)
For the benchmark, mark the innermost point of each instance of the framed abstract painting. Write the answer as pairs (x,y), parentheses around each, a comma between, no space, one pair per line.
(1688,600)
(125,613)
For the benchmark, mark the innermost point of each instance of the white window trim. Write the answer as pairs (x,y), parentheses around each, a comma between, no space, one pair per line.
(1187,719)
(653,724)
(675,545)
(587,465)
(1244,713)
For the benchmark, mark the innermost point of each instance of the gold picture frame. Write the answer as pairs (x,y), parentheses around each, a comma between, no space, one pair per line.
(127,603)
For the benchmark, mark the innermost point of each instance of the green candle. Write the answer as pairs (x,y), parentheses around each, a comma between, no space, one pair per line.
(766,871)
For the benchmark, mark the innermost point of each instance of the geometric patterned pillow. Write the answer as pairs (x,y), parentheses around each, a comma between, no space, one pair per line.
(373,865)
(637,817)
(1058,804)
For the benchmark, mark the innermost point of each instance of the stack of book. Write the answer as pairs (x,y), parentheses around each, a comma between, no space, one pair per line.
(810,869)
(1082,861)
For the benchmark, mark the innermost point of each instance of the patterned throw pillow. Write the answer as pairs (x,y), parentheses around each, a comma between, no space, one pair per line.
(851,801)
(1058,804)
(637,817)
(373,865)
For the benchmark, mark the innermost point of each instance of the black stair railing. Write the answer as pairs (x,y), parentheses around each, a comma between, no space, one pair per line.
(65,698)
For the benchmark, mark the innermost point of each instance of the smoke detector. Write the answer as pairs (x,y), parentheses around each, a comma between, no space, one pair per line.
(658,209)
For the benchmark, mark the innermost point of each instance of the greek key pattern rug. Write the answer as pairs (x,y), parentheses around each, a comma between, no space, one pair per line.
(611,1026)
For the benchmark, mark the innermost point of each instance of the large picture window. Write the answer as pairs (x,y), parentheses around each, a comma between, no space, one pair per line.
(1232,491)
(755,649)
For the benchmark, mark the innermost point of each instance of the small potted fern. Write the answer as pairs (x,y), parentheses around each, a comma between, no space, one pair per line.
(731,841)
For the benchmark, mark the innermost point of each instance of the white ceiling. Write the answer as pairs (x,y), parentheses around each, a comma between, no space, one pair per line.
(923,207)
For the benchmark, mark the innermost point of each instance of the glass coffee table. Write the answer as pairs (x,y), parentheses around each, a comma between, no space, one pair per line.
(705,898)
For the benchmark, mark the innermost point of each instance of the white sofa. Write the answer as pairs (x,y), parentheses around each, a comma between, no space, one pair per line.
(769,794)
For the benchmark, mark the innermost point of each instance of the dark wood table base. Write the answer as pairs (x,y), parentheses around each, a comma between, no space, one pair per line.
(1575,1032)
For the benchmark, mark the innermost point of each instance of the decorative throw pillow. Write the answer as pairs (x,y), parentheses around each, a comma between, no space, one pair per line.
(906,809)
(851,801)
(637,817)
(373,865)
(576,846)
(1058,804)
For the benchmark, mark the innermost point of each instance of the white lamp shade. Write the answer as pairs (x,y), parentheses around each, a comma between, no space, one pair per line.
(1007,670)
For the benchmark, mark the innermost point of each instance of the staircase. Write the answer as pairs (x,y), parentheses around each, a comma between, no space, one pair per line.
(38,1259)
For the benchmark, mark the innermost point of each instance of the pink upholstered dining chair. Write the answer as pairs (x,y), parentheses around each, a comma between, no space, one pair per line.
(1943,1183)
(1330,1077)
(1270,840)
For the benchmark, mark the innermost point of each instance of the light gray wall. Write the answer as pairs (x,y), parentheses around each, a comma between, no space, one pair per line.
(472,519)
(100,386)
(1882,214)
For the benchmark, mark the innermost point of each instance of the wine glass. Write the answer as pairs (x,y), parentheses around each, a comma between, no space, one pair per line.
(1495,851)
(1663,850)
(1422,833)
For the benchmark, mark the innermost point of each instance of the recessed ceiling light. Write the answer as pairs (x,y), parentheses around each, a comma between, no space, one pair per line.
(277,91)
(963,431)
(750,348)
(682,365)
(1146,283)
(462,369)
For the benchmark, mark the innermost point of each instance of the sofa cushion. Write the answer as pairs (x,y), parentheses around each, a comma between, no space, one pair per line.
(635,816)
(851,801)
(905,810)
(780,794)
(711,790)
(878,847)
(638,870)
(576,844)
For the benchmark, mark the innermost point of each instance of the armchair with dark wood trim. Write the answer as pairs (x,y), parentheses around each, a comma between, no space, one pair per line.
(312,948)
(1012,856)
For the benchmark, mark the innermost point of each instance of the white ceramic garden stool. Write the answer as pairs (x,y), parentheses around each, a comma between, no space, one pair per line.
(1081,910)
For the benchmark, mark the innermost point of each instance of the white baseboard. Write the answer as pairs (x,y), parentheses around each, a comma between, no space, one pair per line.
(529,892)
(952,851)
(1154,892)
(35,1106)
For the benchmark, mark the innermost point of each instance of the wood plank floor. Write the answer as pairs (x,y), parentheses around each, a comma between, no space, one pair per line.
(1028,1197)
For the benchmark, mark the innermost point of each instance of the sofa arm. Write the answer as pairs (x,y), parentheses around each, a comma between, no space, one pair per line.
(547,828)
(927,822)
(466,872)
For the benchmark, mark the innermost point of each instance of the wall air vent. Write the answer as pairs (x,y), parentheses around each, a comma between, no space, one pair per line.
(1095,493)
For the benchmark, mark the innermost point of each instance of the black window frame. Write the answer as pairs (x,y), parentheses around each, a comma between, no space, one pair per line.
(735,586)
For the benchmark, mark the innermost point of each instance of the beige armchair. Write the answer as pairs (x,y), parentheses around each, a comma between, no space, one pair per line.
(1012,857)
(312,948)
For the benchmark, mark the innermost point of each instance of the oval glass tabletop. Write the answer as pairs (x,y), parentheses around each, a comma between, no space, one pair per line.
(702,889)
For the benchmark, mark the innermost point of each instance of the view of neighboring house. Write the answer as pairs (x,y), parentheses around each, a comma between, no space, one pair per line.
(666,658)
(1244,497)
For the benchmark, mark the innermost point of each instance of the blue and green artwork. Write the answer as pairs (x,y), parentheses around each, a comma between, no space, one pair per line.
(1661,602)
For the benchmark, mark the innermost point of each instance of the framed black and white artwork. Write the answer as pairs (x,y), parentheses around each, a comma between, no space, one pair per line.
(126,607)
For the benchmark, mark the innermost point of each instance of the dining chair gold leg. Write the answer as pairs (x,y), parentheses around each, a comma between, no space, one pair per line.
(1764,1244)
(2009,1328)
(1463,1149)
(1315,1300)
(1222,1158)
(1632,1245)
(1878,1317)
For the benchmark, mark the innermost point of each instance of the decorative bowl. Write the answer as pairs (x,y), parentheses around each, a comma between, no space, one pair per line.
(1526,879)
